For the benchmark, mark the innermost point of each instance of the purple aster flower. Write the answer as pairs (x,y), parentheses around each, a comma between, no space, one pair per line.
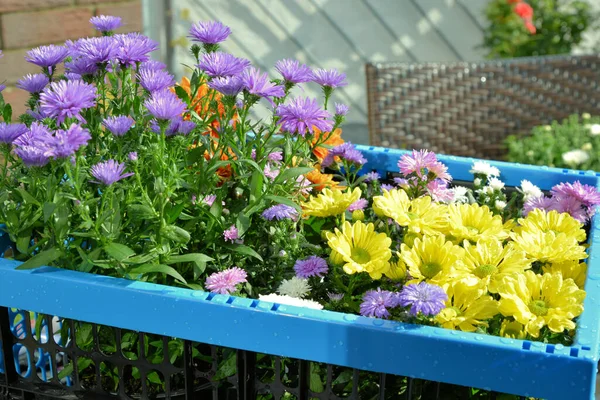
(329,77)
(165,105)
(387,186)
(81,66)
(228,85)
(32,156)
(134,47)
(359,204)
(259,84)
(2,87)
(301,114)
(73,77)
(34,135)
(209,32)
(439,191)
(132,156)
(573,207)
(311,266)
(543,202)
(33,83)
(225,282)
(341,109)
(155,80)
(106,23)
(47,56)
(416,162)
(97,50)
(276,156)
(270,172)
(118,125)
(279,212)
(346,151)
(586,194)
(372,176)
(209,199)
(294,72)
(10,132)
(220,64)
(109,172)
(423,298)
(67,99)
(153,65)
(65,143)
(335,297)
(177,126)
(376,303)
(231,234)
(253,154)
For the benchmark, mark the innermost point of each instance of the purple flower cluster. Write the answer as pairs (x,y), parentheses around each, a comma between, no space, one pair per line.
(81,66)
(372,176)
(164,105)
(231,234)
(359,204)
(225,282)
(341,109)
(177,126)
(154,80)
(209,32)
(376,303)
(311,266)
(109,172)
(96,50)
(228,85)
(65,143)
(421,163)
(47,56)
(347,152)
(260,85)
(576,199)
(33,83)
(330,77)
(294,72)
(106,23)
(220,64)
(10,132)
(423,298)
(302,114)
(118,125)
(134,48)
(439,191)
(66,99)
(279,212)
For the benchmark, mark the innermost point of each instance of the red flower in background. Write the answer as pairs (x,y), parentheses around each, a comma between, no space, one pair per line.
(530,27)
(513,1)
(525,11)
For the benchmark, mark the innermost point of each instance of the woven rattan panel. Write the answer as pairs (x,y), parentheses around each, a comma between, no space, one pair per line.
(469,109)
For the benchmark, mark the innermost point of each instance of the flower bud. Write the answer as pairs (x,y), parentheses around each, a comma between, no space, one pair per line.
(358,215)
(397,271)
(336,259)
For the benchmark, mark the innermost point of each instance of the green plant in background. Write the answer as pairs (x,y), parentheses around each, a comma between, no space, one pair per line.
(534,28)
(574,143)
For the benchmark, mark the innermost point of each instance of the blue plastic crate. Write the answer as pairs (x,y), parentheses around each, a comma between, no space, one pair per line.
(500,364)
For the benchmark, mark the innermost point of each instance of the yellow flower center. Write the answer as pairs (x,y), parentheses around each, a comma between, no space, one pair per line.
(485,270)
(412,215)
(472,230)
(456,310)
(360,256)
(429,270)
(538,307)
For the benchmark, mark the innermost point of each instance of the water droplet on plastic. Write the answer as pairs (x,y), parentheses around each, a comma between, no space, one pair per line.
(350,317)
(479,338)
(378,322)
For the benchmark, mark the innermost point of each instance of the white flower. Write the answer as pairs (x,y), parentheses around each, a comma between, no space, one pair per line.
(477,182)
(499,204)
(530,191)
(547,127)
(587,146)
(484,168)
(496,184)
(290,301)
(575,157)
(459,194)
(586,116)
(295,287)
(595,129)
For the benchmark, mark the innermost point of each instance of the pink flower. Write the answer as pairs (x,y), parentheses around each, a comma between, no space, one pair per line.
(225,282)
(231,234)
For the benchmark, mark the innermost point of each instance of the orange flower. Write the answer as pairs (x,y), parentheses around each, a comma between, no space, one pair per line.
(333,139)
(321,180)
(225,171)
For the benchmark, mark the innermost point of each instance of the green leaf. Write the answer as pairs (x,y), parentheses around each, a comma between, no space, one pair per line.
(226,368)
(242,223)
(157,268)
(256,185)
(292,173)
(174,212)
(48,211)
(283,200)
(176,233)
(316,385)
(23,241)
(42,259)
(27,197)
(182,94)
(140,211)
(118,251)
(245,250)
(141,259)
(7,114)
(190,257)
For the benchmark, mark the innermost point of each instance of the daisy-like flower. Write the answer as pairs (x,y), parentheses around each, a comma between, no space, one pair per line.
(64,143)
(484,168)
(47,56)
(594,129)
(377,302)
(294,287)
(322,141)
(134,48)
(459,194)
(321,180)
(551,221)
(359,204)
(548,247)
(209,32)
(177,126)
(329,77)
(361,248)
(155,80)
(495,183)
(330,202)
(372,176)
(294,72)
(473,222)
(439,191)
(118,125)
(209,199)
(431,259)
(33,83)
(423,298)
(220,64)
(341,109)
(586,194)
(573,207)
(165,105)
(568,269)
(225,282)
(421,163)
(311,266)
(231,234)
(228,85)
(335,297)
(397,271)
(66,99)
(106,23)
(97,50)
(259,84)
(132,156)
(301,115)
(529,190)
(512,329)
(575,158)
(347,152)
(543,203)
(81,66)
(467,308)
(32,156)
(279,212)
(109,172)
(152,65)
(10,132)
(290,301)
(541,300)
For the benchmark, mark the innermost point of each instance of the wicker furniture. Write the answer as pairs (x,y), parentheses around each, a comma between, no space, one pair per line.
(469,109)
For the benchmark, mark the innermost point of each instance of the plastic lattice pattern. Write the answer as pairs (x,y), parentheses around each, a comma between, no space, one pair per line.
(475,360)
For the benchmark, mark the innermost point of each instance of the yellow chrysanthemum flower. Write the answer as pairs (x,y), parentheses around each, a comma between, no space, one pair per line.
(362,249)
(553,221)
(473,222)
(569,269)
(512,329)
(397,271)
(431,259)
(330,202)
(487,262)
(420,215)
(541,300)
(467,307)
(548,247)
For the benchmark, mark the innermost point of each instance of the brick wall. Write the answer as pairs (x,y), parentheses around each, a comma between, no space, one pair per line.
(25,24)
